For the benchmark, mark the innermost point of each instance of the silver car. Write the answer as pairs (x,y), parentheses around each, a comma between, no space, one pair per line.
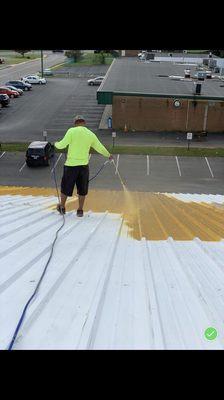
(20,91)
(95,81)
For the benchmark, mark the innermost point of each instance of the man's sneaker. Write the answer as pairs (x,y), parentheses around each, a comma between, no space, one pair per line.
(60,209)
(79,213)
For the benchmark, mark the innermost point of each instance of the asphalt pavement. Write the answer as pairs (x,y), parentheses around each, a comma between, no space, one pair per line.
(49,107)
(140,173)
(86,71)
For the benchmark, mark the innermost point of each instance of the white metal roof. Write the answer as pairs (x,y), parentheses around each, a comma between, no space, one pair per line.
(103,289)
(198,198)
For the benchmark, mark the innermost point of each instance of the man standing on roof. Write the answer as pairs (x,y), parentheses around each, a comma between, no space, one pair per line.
(79,140)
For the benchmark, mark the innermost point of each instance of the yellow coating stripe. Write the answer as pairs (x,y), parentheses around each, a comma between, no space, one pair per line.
(154,216)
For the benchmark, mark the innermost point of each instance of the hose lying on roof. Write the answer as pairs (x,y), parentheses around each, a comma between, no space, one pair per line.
(48,261)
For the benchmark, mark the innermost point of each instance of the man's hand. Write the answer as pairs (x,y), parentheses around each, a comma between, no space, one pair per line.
(111,158)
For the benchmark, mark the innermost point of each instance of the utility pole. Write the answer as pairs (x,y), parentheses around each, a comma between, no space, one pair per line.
(42,64)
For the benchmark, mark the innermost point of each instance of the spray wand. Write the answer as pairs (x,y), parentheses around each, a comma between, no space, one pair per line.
(118,173)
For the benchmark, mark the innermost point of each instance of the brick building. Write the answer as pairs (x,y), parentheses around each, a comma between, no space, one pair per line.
(158,96)
(129,53)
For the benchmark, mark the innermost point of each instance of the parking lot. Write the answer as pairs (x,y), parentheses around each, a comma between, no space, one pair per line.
(141,173)
(49,107)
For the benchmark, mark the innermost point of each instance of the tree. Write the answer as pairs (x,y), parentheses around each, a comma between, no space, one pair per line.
(219,53)
(22,52)
(73,54)
(100,50)
(102,57)
(114,53)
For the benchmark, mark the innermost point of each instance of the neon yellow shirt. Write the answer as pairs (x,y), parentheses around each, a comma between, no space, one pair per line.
(79,141)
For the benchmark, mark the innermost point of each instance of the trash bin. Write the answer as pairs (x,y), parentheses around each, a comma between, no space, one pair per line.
(109,122)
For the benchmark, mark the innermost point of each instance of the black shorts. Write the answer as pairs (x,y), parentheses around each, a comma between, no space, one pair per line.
(78,175)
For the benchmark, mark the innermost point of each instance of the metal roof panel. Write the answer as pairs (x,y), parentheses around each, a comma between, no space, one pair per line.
(129,76)
(103,289)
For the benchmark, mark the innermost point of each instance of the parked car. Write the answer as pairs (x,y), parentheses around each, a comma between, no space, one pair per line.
(2,61)
(142,53)
(95,81)
(9,92)
(19,84)
(20,91)
(34,79)
(39,153)
(4,100)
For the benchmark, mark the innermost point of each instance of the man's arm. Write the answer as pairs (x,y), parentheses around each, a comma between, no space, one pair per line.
(64,142)
(99,147)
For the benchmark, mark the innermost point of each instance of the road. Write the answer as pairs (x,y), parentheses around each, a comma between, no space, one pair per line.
(30,67)
(140,173)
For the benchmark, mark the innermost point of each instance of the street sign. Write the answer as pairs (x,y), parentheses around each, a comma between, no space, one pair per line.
(189,138)
(45,135)
(113,137)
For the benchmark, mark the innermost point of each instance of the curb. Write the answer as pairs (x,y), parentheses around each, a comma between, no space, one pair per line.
(57,65)
(7,66)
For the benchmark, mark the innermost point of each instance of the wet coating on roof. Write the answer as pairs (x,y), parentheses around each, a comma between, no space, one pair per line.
(155,216)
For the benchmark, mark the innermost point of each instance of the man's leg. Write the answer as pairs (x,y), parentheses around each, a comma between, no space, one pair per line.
(67,185)
(81,202)
(63,199)
(61,205)
(82,187)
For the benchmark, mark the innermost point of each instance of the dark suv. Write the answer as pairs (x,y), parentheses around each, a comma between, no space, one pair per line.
(39,153)
(4,100)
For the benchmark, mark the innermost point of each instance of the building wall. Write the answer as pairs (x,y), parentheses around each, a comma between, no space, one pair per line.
(186,59)
(130,53)
(159,114)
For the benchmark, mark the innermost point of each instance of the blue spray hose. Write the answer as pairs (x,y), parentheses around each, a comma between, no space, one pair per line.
(48,261)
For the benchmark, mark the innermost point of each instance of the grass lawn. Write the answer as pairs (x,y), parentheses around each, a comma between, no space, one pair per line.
(167,151)
(141,150)
(11,57)
(197,51)
(89,59)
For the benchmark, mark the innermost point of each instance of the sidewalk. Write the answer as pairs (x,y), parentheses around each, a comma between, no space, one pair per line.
(106,114)
(160,139)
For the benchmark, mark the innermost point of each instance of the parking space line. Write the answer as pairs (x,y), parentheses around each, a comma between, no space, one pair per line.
(2,154)
(59,157)
(147,164)
(178,165)
(22,167)
(209,167)
(117,162)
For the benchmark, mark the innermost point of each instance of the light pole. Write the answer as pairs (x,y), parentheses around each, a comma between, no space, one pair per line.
(42,64)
